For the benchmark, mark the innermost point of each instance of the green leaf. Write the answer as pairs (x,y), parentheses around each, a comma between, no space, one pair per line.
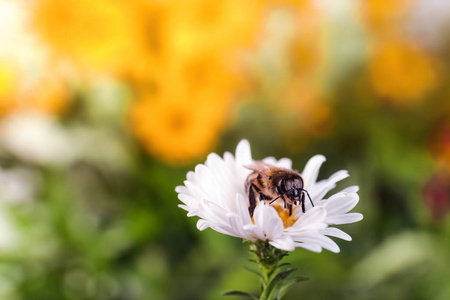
(268,293)
(239,293)
(254,271)
(277,270)
(284,264)
(285,285)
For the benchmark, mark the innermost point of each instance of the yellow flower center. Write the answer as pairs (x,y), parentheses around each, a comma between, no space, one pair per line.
(288,220)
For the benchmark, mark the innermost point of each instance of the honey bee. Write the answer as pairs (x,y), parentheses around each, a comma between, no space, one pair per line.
(270,183)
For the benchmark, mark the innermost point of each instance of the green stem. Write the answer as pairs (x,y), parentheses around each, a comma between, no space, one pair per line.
(274,281)
(268,259)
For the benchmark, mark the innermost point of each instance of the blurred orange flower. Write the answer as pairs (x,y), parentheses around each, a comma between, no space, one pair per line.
(176,130)
(402,72)
(181,118)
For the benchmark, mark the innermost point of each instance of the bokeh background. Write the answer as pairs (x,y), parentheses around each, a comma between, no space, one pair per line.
(105,105)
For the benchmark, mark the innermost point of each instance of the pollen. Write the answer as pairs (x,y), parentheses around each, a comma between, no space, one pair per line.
(288,220)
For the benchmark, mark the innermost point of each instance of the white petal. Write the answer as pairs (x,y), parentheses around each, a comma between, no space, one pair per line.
(213,213)
(325,202)
(188,200)
(319,190)
(271,161)
(193,212)
(195,190)
(243,153)
(351,189)
(181,189)
(190,176)
(225,230)
(202,225)
(310,246)
(311,170)
(236,225)
(321,240)
(267,218)
(313,215)
(340,205)
(205,177)
(331,231)
(319,225)
(285,163)
(184,207)
(284,243)
(256,231)
(282,163)
(344,219)
(242,209)
(221,182)
(229,160)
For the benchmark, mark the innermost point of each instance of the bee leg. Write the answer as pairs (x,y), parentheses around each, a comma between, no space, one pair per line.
(303,202)
(251,199)
(262,198)
(284,200)
(308,197)
(253,189)
(290,209)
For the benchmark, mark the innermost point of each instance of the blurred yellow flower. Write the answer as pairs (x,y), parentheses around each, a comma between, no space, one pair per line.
(311,111)
(182,29)
(401,71)
(192,50)
(8,78)
(45,92)
(303,93)
(99,35)
(384,15)
(292,59)
(211,26)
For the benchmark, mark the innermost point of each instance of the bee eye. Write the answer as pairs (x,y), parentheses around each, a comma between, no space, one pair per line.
(288,185)
(281,187)
(278,189)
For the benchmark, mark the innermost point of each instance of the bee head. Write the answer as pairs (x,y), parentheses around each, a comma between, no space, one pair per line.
(291,187)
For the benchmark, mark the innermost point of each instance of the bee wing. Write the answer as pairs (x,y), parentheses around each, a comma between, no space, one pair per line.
(261,168)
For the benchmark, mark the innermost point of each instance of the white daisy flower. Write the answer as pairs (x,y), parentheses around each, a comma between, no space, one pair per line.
(215,192)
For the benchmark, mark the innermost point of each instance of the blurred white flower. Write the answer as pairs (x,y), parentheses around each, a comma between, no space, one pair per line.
(17,185)
(215,192)
(9,234)
(37,138)
(430,21)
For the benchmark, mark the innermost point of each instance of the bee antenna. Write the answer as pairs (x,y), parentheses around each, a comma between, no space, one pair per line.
(274,200)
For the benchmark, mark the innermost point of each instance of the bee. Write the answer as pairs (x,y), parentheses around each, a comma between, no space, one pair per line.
(270,183)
